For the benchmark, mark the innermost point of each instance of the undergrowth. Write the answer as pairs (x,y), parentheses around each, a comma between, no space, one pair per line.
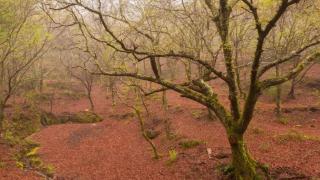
(295,136)
(190,143)
(173,156)
(22,124)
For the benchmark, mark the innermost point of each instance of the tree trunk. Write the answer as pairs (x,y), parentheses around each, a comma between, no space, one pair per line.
(244,165)
(144,134)
(91,102)
(1,117)
(278,94)
(291,94)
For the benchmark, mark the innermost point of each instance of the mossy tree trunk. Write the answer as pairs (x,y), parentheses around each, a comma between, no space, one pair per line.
(244,165)
(144,134)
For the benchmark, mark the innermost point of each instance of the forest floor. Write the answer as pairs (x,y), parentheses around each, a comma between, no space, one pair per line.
(115,148)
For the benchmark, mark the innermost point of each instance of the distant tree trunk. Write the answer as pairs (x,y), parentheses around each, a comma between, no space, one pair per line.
(291,94)
(278,93)
(51,103)
(164,93)
(41,85)
(172,69)
(112,90)
(90,100)
(1,116)
(41,77)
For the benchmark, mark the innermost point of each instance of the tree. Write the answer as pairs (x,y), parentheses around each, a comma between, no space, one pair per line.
(128,26)
(83,76)
(22,42)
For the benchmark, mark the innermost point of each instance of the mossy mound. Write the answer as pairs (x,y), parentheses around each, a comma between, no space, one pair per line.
(22,123)
(80,117)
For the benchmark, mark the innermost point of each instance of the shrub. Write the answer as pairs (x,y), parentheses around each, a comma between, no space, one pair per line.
(173,156)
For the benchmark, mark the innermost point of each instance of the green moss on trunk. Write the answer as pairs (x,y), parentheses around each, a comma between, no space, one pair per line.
(244,165)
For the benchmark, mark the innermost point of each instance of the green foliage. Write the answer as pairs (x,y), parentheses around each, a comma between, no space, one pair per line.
(34,97)
(23,123)
(226,169)
(28,158)
(187,144)
(173,156)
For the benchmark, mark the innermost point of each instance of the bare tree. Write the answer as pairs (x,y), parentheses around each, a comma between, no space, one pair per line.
(82,75)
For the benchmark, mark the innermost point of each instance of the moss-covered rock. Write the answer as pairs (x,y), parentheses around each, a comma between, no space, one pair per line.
(87,117)
(49,119)
(80,117)
(152,134)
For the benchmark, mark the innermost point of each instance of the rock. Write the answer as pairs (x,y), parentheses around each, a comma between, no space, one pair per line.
(152,134)
(209,151)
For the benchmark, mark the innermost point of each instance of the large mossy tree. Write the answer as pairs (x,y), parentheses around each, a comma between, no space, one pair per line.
(140,31)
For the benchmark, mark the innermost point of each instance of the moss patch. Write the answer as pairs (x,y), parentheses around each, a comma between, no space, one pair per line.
(295,136)
(24,122)
(190,143)
(80,117)
(27,157)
